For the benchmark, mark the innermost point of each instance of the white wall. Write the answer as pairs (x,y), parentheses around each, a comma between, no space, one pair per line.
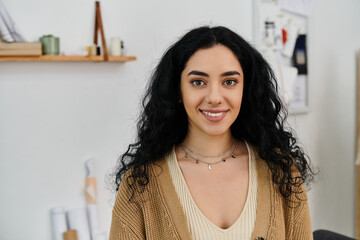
(329,130)
(54,115)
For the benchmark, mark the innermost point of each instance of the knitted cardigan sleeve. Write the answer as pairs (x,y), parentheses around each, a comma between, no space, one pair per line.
(120,230)
(127,217)
(298,214)
(301,227)
(297,220)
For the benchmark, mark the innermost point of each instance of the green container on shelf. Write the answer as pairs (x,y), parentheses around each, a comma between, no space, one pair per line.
(50,45)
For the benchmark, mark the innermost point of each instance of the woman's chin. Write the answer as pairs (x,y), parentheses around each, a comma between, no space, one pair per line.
(216,131)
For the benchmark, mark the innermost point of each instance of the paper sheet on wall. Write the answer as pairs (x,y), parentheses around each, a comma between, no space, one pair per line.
(266,11)
(288,79)
(299,99)
(302,7)
(289,46)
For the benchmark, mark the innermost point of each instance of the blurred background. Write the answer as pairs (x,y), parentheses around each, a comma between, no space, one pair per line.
(56,115)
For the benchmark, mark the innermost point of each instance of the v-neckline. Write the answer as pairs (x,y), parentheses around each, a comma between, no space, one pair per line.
(173,205)
(197,209)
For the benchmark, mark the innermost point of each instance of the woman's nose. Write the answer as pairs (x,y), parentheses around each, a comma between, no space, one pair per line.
(214,95)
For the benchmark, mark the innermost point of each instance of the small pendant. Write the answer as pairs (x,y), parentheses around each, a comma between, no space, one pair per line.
(210,167)
(186,155)
(224,160)
(197,161)
(233,156)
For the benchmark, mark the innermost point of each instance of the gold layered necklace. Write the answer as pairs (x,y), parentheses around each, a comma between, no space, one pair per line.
(190,154)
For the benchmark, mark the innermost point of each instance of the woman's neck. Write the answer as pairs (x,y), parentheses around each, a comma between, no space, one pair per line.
(211,145)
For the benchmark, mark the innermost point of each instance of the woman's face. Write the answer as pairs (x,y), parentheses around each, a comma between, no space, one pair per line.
(211,89)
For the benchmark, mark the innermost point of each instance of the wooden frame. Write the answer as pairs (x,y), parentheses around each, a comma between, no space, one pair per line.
(357,164)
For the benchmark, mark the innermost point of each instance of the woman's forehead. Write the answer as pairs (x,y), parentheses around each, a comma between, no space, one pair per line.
(217,58)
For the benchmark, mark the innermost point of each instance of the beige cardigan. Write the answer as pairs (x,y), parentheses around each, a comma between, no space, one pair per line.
(157,213)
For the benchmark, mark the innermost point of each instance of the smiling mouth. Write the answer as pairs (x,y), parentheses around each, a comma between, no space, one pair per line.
(213,114)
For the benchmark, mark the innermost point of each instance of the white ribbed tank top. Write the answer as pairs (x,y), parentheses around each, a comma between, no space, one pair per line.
(202,228)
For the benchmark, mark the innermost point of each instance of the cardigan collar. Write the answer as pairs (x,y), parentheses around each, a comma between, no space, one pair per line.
(173,204)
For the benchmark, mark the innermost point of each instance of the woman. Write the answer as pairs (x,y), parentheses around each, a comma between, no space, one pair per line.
(212,159)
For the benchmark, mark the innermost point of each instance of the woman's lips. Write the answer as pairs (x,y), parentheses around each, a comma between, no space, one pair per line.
(214,115)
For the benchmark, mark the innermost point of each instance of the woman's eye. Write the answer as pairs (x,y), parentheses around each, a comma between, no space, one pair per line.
(197,82)
(230,82)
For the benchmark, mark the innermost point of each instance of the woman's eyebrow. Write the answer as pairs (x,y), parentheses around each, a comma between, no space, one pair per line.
(195,72)
(230,73)
(225,74)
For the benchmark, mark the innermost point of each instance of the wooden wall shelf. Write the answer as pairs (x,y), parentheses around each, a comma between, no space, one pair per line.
(65,58)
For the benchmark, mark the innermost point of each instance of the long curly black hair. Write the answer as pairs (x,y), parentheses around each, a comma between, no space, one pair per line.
(163,122)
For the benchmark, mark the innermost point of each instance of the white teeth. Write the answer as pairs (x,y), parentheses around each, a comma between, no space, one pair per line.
(213,114)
